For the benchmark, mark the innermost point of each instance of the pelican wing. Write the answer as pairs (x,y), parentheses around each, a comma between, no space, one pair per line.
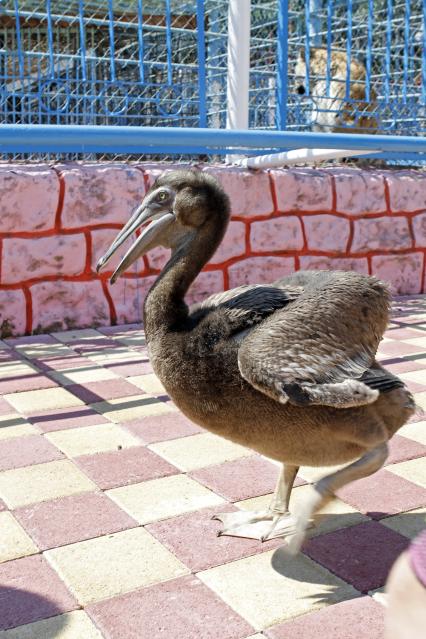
(330,333)
(247,305)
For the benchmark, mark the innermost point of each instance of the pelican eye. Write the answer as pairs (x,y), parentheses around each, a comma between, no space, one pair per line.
(162,196)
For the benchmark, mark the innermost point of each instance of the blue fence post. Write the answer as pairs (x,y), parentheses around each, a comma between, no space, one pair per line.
(315,22)
(202,88)
(82,40)
(140,42)
(282,64)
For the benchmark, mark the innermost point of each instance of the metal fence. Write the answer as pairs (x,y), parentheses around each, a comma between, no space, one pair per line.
(355,66)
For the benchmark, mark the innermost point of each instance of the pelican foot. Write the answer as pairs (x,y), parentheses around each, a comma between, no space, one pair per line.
(262,524)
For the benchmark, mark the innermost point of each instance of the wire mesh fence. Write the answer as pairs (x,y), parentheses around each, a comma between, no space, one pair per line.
(347,65)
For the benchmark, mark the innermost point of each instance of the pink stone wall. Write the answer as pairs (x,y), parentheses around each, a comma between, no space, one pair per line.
(56,221)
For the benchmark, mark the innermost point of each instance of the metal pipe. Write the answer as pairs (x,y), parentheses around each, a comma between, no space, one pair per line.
(59,138)
(297,156)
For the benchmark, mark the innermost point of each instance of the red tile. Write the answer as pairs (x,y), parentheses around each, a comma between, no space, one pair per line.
(137,367)
(25,451)
(49,364)
(31,339)
(415,387)
(123,467)
(382,494)
(5,407)
(180,609)
(360,618)
(31,590)
(399,365)
(399,348)
(403,333)
(403,449)
(83,346)
(242,478)
(360,555)
(179,533)
(64,418)
(71,519)
(123,328)
(20,383)
(109,389)
(162,427)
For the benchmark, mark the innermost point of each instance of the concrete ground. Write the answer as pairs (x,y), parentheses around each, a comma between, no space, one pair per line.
(107,492)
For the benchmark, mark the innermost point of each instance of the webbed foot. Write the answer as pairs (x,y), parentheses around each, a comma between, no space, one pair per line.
(262,525)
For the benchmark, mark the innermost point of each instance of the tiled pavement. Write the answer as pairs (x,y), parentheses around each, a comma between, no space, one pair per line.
(107,492)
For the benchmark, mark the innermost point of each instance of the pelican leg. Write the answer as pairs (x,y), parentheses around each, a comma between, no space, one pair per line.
(323,490)
(274,522)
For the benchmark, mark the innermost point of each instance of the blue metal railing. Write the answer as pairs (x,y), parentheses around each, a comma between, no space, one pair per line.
(317,66)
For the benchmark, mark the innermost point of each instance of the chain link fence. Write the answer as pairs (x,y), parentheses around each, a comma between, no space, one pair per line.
(352,65)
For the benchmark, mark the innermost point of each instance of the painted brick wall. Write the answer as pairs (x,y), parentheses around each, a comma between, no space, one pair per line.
(56,221)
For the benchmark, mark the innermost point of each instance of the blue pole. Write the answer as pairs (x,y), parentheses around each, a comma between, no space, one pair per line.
(169,42)
(111,40)
(140,42)
(282,65)
(202,88)
(82,40)
(368,62)
(59,139)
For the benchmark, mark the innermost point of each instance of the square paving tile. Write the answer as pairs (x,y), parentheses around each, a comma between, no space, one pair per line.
(413,470)
(114,564)
(92,439)
(22,486)
(157,428)
(14,541)
(137,367)
(210,617)
(408,524)
(5,408)
(148,383)
(383,493)
(70,625)
(163,498)
(71,519)
(404,448)
(67,377)
(420,399)
(271,587)
(197,451)
(242,478)
(15,426)
(416,431)
(25,451)
(129,408)
(93,392)
(123,467)
(361,555)
(22,383)
(31,590)
(178,536)
(68,337)
(33,402)
(354,619)
(64,418)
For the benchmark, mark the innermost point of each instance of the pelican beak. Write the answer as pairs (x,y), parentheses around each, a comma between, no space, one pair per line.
(144,213)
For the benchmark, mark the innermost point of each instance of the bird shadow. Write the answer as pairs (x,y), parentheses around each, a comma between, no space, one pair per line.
(20,607)
(299,568)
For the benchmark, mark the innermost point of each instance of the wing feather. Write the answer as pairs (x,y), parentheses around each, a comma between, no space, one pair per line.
(329,333)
